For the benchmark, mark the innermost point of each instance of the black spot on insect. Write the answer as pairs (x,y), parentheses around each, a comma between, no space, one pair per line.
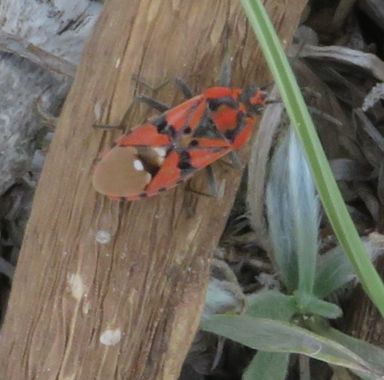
(194,142)
(185,161)
(184,155)
(206,128)
(163,127)
(143,195)
(187,130)
(162,189)
(161,124)
(239,117)
(231,134)
(171,131)
(214,104)
(184,166)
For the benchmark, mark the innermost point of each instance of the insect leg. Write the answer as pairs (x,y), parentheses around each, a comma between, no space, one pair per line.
(226,66)
(184,88)
(161,107)
(138,80)
(212,182)
(153,103)
(122,124)
(213,187)
(225,71)
(189,188)
(180,84)
(108,126)
(233,160)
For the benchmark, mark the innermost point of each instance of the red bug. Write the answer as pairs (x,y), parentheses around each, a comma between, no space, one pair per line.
(170,148)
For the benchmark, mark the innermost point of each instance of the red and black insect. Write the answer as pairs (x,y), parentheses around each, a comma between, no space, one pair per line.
(170,148)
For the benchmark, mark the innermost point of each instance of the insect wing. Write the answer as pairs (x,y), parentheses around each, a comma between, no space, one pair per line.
(161,130)
(120,173)
(201,158)
(168,176)
(187,114)
(179,167)
(144,135)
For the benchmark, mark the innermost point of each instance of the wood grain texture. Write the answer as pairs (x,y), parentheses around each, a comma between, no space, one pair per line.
(363,320)
(107,290)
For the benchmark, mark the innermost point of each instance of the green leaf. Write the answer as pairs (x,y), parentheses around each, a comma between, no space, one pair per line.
(267,366)
(326,185)
(276,336)
(333,271)
(370,353)
(304,206)
(280,215)
(309,304)
(272,304)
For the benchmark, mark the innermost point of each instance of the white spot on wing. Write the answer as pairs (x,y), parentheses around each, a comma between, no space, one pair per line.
(76,286)
(148,178)
(160,151)
(138,165)
(110,337)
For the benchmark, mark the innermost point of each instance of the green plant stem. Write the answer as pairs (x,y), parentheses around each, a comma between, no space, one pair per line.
(326,185)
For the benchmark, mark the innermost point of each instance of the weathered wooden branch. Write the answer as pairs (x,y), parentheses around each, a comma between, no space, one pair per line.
(363,320)
(107,290)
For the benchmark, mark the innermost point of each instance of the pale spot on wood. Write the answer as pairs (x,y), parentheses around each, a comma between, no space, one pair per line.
(76,286)
(117,63)
(70,377)
(110,337)
(86,307)
(97,110)
(103,237)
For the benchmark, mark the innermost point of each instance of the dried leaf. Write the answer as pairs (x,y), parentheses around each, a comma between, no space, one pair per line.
(376,94)
(365,61)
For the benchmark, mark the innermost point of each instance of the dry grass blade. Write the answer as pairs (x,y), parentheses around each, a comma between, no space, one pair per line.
(345,169)
(23,48)
(370,129)
(375,95)
(258,165)
(366,61)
